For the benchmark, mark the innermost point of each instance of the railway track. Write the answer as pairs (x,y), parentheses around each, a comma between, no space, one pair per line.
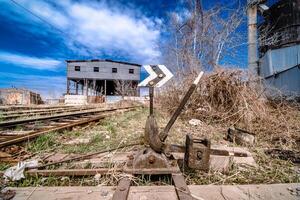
(16,131)
(22,108)
(10,115)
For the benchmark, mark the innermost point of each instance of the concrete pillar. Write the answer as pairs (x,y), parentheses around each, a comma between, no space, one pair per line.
(104,87)
(68,86)
(76,85)
(94,87)
(86,87)
(252,41)
(82,88)
(104,90)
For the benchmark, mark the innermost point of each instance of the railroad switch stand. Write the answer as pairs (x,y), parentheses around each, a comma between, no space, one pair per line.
(157,157)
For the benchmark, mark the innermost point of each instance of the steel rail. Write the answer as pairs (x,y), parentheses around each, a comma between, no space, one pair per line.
(70,172)
(54,117)
(44,112)
(45,109)
(37,133)
(34,111)
(16,108)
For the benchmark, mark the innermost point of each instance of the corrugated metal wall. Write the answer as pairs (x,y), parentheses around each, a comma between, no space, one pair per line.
(281,69)
(279,45)
(105,71)
(277,60)
(288,82)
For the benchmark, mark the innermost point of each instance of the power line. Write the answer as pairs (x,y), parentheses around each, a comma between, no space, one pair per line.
(50,24)
(32,13)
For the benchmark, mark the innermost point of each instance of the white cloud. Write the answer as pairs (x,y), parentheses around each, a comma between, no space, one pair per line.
(102,29)
(105,29)
(29,62)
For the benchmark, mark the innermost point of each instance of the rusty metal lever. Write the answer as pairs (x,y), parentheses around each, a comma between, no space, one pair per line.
(156,139)
(164,134)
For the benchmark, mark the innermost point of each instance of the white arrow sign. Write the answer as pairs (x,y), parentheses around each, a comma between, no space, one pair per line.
(159,75)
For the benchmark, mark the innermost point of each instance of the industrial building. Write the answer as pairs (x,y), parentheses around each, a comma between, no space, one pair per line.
(16,96)
(96,78)
(279,47)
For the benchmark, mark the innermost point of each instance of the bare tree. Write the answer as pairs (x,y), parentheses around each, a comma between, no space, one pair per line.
(125,88)
(201,38)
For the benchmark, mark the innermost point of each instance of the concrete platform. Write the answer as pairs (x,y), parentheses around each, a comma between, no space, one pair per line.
(211,192)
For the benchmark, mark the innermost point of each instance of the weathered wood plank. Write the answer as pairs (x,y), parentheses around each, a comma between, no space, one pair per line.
(181,188)
(216,192)
(122,190)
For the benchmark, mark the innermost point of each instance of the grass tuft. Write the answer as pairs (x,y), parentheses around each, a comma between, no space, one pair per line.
(42,143)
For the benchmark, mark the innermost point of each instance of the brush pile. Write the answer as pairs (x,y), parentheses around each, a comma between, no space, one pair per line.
(224,98)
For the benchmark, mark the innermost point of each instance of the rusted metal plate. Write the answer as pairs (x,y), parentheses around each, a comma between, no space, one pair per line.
(182,190)
(151,129)
(197,153)
(159,171)
(122,190)
(147,161)
(221,152)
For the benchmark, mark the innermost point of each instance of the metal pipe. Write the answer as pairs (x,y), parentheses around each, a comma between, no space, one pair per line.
(151,95)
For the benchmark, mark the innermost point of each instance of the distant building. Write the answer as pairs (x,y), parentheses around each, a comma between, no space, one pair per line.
(279,47)
(16,96)
(102,77)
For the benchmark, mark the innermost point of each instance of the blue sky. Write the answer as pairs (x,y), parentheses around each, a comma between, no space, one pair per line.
(33,49)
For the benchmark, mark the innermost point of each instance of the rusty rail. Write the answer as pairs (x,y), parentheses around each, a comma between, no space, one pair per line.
(70,172)
(53,117)
(22,108)
(104,113)
(10,115)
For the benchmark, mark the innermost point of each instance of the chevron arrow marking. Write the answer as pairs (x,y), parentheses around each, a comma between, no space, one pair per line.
(158,77)
(152,76)
(168,76)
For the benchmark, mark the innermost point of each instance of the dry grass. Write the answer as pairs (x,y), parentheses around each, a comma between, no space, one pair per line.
(269,171)
(131,125)
(224,99)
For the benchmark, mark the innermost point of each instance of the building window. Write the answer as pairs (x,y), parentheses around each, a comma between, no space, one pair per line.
(131,71)
(114,70)
(77,68)
(96,69)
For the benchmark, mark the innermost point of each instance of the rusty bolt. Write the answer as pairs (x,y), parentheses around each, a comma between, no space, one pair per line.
(168,154)
(130,157)
(151,159)
(151,83)
(199,155)
(160,75)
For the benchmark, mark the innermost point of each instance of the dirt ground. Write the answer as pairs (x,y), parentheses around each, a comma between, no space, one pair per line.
(128,128)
